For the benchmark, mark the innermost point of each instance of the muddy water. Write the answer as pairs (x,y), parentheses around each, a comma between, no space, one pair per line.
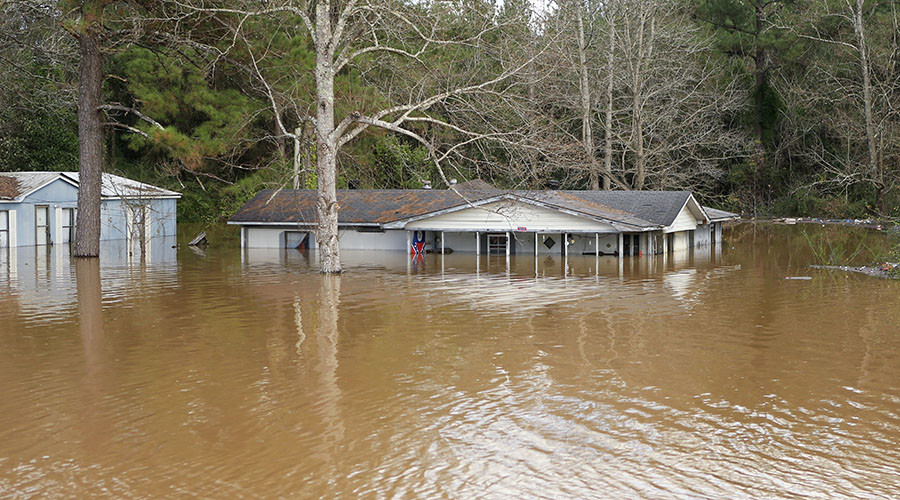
(222,376)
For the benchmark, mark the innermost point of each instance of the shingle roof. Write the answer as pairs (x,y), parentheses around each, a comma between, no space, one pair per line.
(14,185)
(357,206)
(27,181)
(644,209)
(716,215)
(658,207)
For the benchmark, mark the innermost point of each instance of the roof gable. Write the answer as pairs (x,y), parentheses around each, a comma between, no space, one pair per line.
(16,186)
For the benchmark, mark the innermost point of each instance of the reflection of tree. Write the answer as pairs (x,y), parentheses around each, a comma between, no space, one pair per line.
(90,311)
(327,340)
(90,321)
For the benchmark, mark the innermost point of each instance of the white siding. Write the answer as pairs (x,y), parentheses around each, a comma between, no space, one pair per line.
(265,237)
(685,221)
(508,216)
(351,239)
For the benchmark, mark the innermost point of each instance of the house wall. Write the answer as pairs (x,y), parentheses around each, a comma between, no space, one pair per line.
(392,239)
(701,235)
(350,239)
(509,215)
(685,221)
(59,195)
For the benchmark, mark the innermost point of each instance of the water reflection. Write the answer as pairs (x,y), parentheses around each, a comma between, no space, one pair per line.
(230,375)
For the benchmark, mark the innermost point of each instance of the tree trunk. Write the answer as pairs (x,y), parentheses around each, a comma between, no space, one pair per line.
(610,67)
(90,143)
(326,146)
(587,135)
(637,103)
(874,172)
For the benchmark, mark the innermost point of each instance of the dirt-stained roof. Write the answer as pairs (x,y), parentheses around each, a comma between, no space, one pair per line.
(643,209)
(359,206)
(9,188)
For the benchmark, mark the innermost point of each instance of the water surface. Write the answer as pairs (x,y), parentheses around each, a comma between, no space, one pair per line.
(221,375)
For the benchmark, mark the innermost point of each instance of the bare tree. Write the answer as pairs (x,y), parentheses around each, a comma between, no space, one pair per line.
(855,94)
(374,35)
(648,80)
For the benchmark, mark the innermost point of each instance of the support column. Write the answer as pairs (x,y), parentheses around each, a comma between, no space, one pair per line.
(597,254)
(12,241)
(507,245)
(243,244)
(477,243)
(621,245)
(442,243)
(409,243)
(535,255)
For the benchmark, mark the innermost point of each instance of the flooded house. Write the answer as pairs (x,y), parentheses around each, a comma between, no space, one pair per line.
(479,218)
(41,208)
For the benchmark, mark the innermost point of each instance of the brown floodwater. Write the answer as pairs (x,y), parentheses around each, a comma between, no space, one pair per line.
(221,375)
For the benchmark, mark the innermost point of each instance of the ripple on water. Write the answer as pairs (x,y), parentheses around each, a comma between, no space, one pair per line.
(210,377)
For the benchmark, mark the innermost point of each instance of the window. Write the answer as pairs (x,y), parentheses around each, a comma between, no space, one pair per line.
(4,228)
(42,225)
(69,216)
(497,243)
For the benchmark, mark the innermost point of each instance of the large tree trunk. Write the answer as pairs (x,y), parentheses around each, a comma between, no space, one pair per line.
(587,134)
(326,146)
(90,142)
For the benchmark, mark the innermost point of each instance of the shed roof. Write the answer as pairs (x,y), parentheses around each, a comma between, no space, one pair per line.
(15,186)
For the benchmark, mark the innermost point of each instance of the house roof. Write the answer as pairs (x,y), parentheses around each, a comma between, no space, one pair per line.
(641,209)
(716,215)
(359,206)
(15,186)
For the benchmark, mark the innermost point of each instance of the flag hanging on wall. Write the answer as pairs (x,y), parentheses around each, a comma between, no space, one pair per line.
(418,243)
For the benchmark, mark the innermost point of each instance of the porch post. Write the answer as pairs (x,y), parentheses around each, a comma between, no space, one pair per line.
(597,254)
(477,243)
(442,243)
(409,242)
(566,244)
(621,245)
(507,245)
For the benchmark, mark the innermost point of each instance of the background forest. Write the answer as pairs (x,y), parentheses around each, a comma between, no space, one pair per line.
(767,107)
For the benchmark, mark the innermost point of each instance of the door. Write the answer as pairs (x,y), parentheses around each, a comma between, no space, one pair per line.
(4,229)
(42,225)
(497,244)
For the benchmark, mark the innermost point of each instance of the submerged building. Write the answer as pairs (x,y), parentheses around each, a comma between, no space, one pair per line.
(41,208)
(476,217)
